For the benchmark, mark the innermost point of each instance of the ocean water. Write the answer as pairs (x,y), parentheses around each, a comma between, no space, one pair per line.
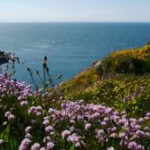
(70,47)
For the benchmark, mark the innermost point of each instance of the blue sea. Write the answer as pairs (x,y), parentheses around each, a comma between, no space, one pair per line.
(70,47)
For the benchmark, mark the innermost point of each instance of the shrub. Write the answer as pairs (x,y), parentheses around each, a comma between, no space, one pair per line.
(107,65)
(135,61)
(148,43)
(130,65)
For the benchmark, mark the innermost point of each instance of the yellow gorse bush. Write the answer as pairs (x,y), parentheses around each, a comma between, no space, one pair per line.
(140,53)
(114,59)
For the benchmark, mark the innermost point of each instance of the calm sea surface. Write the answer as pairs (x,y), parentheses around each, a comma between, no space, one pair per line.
(70,47)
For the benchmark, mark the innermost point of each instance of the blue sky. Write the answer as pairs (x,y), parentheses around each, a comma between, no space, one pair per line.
(74,10)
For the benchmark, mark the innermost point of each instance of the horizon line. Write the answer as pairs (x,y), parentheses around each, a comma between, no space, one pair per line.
(75,22)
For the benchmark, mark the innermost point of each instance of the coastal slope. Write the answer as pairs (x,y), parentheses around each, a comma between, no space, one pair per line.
(120,80)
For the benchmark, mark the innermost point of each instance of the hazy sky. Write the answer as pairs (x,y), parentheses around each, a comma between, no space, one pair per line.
(74,10)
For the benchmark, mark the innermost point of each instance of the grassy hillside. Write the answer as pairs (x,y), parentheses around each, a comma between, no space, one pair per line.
(122,80)
(113,115)
(82,81)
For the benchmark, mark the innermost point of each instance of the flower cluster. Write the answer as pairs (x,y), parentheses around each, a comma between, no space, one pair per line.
(73,125)
(83,125)
(13,88)
(9,116)
(13,95)
(27,140)
(35,110)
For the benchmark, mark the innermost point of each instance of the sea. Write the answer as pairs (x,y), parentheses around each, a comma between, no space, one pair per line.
(69,47)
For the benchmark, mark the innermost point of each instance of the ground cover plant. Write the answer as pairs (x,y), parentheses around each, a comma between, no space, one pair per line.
(95,110)
(27,123)
(127,91)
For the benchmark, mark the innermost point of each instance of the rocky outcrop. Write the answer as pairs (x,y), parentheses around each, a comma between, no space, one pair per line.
(4,57)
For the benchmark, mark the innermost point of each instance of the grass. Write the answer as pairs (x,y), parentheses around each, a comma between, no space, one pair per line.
(129,93)
(82,81)
(114,113)
(123,91)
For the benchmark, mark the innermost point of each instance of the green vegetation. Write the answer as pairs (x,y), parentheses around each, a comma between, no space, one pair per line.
(135,61)
(113,115)
(124,83)
(81,81)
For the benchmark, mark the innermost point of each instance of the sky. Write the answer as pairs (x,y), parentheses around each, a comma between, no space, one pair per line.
(74,10)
